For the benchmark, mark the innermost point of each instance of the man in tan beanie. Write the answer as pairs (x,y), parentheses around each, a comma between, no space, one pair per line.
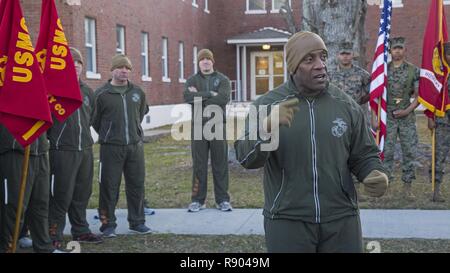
(310,200)
(208,89)
(120,109)
(71,167)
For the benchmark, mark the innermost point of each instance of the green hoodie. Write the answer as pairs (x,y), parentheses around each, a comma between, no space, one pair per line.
(308,177)
(117,117)
(74,134)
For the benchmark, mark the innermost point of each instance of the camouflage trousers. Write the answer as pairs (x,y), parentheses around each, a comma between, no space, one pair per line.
(442,148)
(405,129)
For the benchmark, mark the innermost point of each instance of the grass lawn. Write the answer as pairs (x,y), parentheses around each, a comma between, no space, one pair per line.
(169,175)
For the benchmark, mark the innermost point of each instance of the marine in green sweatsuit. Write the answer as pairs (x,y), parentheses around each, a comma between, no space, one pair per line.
(71,167)
(212,89)
(310,198)
(119,112)
(36,199)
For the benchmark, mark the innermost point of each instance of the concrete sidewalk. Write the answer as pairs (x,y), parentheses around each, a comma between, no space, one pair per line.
(380,224)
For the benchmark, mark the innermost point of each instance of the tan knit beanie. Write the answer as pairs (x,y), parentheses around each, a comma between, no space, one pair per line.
(205,53)
(299,45)
(76,55)
(121,60)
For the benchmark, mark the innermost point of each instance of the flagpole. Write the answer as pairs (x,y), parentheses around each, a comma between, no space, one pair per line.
(23,184)
(379,121)
(433,159)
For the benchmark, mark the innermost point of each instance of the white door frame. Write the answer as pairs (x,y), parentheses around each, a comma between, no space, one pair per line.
(253,56)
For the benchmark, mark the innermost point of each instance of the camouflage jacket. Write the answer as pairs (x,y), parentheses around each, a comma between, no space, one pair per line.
(354,81)
(402,81)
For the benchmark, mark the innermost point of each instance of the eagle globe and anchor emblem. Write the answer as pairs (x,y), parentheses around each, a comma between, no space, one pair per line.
(340,128)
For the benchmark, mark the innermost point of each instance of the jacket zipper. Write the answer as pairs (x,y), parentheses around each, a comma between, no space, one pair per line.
(314,160)
(81,130)
(279,193)
(127,136)
(107,132)
(60,134)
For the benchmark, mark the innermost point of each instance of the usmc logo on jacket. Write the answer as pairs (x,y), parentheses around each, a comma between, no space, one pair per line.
(136,97)
(340,128)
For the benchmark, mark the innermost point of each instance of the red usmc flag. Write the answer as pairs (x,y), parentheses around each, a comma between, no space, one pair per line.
(433,92)
(56,64)
(24,108)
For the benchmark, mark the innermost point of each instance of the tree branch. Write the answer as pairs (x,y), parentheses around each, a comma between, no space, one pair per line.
(286,11)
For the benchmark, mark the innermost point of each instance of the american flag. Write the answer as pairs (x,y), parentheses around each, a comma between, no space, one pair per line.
(378,85)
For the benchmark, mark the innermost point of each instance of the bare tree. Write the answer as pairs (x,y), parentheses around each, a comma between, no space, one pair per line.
(335,21)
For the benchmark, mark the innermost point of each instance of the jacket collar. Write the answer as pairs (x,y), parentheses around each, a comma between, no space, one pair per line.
(204,76)
(293,90)
(110,88)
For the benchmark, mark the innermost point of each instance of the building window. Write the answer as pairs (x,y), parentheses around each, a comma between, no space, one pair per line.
(277,4)
(165,60)
(145,70)
(120,39)
(91,47)
(206,6)
(194,3)
(194,59)
(395,3)
(181,61)
(256,7)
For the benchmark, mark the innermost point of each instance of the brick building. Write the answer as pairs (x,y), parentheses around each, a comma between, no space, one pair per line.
(162,38)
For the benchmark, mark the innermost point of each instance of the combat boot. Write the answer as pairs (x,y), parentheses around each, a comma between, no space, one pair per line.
(407,190)
(437,194)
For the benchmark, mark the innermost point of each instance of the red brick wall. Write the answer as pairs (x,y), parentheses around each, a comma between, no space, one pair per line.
(175,19)
(180,21)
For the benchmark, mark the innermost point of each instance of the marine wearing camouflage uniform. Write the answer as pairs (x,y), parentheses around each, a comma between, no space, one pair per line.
(402,81)
(354,81)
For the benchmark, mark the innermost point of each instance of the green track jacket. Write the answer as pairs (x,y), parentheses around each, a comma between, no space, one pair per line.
(74,134)
(118,117)
(308,177)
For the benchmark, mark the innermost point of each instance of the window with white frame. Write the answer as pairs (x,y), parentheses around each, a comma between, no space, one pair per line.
(395,3)
(165,60)
(256,7)
(194,3)
(206,6)
(181,61)
(194,59)
(446,2)
(145,68)
(277,4)
(91,48)
(120,39)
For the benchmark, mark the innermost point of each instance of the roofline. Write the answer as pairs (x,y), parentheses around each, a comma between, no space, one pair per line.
(257,41)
